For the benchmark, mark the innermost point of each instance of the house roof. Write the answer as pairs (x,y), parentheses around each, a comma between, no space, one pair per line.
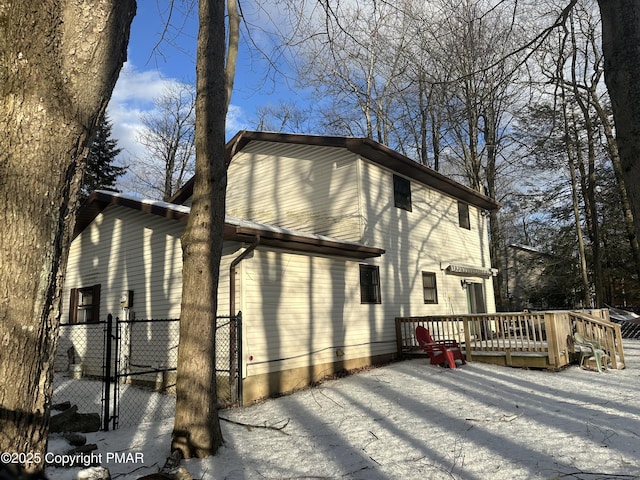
(235,229)
(529,249)
(365,147)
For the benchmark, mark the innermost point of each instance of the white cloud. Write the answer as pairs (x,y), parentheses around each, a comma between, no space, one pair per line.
(236,120)
(134,95)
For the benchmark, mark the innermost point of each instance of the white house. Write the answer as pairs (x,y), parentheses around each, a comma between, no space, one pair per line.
(328,240)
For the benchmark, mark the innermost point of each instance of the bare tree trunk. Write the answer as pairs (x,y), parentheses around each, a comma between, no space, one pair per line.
(588,187)
(569,143)
(473,162)
(620,40)
(169,138)
(588,177)
(612,148)
(232,51)
(596,250)
(59,62)
(496,237)
(581,250)
(197,430)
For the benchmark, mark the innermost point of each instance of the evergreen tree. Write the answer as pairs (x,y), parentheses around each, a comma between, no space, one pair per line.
(100,172)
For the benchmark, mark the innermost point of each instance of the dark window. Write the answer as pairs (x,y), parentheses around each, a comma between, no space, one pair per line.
(463,215)
(84,304)
(429,287)
(402,192)
(369,284)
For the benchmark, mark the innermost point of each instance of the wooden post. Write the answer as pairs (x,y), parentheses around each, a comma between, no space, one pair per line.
(619,348)
(399,336)
(467,337)
(611,347)
(552,339)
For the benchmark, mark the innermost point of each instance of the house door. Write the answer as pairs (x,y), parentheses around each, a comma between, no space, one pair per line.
(475,298)
(476,303)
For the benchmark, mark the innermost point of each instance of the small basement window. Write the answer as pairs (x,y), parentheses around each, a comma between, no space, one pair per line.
(463,215)
(429,288)
(84,304)
(402,192)
(370,284)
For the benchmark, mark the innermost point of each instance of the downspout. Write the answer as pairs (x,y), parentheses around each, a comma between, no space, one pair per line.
(232,274)
(235,347)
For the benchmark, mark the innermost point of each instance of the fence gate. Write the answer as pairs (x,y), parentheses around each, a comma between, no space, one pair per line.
(139,368)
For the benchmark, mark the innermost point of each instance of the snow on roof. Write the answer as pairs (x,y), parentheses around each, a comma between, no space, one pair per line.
(233,221)
(239,222)
(146,201)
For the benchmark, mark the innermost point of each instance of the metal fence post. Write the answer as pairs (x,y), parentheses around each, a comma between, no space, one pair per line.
(233,352)
(106,377)
(239,359)
(115,378)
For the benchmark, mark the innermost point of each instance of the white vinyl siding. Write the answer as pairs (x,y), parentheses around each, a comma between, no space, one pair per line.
(298,310)
(124,249)
(138,252)
(420,240)
(310,189)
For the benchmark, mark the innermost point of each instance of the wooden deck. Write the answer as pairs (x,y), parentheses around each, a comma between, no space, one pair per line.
(523,339)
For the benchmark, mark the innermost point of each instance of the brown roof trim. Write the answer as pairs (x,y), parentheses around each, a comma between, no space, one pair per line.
(397,162)
(100,200)
(365,147)
(184,193)
(307,244)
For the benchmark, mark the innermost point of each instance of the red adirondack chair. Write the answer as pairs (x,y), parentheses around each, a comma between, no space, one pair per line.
(441,351)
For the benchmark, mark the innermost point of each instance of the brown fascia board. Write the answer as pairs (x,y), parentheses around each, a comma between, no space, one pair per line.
(98,201)
(367,148)
(397,162)
(307,244)
(183,194)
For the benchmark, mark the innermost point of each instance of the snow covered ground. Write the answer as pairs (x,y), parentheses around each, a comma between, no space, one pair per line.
(410,420)
(137,404)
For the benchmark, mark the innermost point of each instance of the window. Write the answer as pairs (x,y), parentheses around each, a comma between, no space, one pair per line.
(429,287)
(84,304)
(369,284)
(402,192)
(463,215)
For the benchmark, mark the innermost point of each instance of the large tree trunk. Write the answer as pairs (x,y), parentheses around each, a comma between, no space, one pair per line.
(621,48)
(196,430)
(59,61)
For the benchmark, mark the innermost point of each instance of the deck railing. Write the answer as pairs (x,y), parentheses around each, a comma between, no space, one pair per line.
(536,339)
(605,332)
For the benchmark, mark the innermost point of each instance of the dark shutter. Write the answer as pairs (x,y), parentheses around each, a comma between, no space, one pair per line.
(95,303)
(73,306)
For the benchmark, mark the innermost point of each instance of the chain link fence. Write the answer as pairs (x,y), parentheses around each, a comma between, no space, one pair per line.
(126,370)
(228,353)
(78,367)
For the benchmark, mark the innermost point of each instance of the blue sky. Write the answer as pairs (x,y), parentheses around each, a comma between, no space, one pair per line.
(151,65)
